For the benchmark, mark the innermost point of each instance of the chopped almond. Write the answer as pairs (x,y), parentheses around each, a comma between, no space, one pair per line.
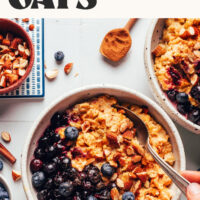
(159,50)
(114,193)
(31,27)
(16,175)
(68,68)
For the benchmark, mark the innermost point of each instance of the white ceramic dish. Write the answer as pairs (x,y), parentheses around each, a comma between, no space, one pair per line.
(124,95)
(153,38)
(5,184)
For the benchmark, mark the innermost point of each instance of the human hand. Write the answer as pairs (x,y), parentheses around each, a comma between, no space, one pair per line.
(193,190)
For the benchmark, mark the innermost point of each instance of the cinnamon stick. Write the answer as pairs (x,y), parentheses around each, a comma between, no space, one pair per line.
(6,154)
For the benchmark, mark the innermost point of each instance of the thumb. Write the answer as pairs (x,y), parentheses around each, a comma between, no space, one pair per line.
(193,191)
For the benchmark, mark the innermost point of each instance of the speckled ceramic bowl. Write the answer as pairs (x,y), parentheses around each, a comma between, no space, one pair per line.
(73,97)
(153,38)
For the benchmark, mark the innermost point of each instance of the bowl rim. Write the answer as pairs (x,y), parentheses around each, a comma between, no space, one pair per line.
(31,61)
(5,184)
(157,92)
(87,88)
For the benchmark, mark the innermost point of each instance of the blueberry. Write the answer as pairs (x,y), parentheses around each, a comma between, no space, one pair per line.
(183,108)
(50,152)
(107,170)
(39,153)
(128,196)
(49,184)
(38,179)
(4,194)
(66,189)
(1,165)
(50,168)
(58,179)
(94,175)
(182,97)
(71,133)
(42,195)
(91,198)
(36,165)
(87,185)
(172,94)
(194,115)
(59,56)
(65,163)
(56,119)
(195,92)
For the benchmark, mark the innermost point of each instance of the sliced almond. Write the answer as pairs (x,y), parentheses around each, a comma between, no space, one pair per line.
(51,74)
(136,158)
(27,52)
(21,72)
(16,175)
(113,177)
(5,136)
(3,81)
(159,50)
(194,79)
(112,137)
(193,31)
(21,49)
(197,53)
(2,47)
(143,176)
(12,78)
(120,183)
(197,46)
(7,71)
(135,188)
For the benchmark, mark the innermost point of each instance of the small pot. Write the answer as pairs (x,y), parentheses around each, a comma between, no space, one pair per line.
(6,26)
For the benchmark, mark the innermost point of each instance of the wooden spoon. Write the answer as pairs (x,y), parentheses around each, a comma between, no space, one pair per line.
(117,42)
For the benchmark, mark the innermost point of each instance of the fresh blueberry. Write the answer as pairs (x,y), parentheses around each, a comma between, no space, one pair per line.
(65,163)
(36,165)
(4,194)
(58,179)
(91,198)
(39,153)
(183,108)
(59,56)
(38,179)
(50,168)
(56,119)
(128,196)
(194,115)
(94,175)
(49,184)
(182,97)
(107,170)
(42,195)
(66,189)
(1,165)
(195,92)
(71,133)
(172,94)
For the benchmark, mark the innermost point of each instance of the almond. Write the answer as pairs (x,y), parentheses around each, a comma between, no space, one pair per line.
(135,188)
(136,158)
(130,151)
(6,42)
(12,78)
(21,49)
(51,74)
(15,43)
(194,79)
(143,176)
(113,177)
(184,34)
(120,183)
(5,136)
(21,72)
(112,137)
(31,27)
(68,68)
(25,20)
(128,134)
(193,31)
(159,50)
(27,52)
(114,193)
(2,81)
(16,175)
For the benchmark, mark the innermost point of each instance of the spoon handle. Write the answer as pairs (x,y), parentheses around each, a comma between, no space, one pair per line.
(180,181)
(130,23)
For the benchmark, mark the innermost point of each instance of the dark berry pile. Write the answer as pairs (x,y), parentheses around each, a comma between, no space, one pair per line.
(3,193)
(183,104)
(54,178)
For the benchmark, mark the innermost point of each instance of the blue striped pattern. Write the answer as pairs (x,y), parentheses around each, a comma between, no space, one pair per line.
(34,84)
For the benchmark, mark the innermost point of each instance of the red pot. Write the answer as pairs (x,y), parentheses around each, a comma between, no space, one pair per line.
(6,26)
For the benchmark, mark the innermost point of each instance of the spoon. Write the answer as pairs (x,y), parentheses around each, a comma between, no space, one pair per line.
(117,42)
(143,137)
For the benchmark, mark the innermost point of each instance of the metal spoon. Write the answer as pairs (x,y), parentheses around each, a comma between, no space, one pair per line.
(143,137)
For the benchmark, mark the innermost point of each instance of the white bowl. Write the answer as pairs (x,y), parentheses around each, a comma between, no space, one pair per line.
(124,95)
(152,40)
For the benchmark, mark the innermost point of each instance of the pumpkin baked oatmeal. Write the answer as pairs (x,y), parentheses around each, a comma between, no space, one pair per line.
(177,65)
(91,151)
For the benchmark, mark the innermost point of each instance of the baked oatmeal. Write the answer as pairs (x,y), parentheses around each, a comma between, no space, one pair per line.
(91,151)
(177,65)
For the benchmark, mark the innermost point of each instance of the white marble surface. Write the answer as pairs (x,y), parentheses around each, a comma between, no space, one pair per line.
(80,40)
